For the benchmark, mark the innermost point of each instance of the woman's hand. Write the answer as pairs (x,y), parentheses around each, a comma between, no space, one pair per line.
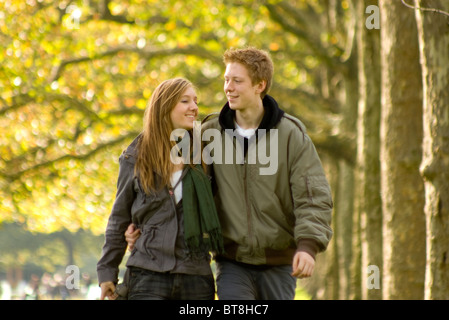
(108,290)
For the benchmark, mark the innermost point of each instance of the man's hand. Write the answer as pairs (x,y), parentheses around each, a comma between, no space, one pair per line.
(131,236)
(108,290)
(303,265)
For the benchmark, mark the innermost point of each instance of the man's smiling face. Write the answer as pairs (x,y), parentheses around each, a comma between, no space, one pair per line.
(240,91)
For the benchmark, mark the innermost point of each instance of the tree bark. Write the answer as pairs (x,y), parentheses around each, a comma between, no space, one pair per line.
(344,203)
(433,32)
(368,200)
(404,241)
(344,226)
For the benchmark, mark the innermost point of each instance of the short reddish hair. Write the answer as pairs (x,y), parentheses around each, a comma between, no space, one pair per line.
(257,62)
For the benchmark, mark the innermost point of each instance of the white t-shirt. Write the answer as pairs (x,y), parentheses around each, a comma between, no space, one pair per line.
(246,133)
(178,190)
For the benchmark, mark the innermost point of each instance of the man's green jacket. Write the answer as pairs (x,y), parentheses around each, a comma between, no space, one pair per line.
(272,194)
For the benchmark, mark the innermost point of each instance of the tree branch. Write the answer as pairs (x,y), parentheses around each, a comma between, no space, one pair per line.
(328,105)
(17,101)
(57,71)
(337,146)
(16,175)
(147,53)
(425,9)
(313,44)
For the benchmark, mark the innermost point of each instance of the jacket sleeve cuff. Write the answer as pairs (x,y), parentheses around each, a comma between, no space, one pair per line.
(107,275)
(308,245)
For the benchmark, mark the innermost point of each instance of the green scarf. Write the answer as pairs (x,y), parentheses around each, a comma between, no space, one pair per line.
(202,230)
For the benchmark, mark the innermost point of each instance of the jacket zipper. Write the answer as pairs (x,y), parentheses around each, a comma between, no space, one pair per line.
(248,206)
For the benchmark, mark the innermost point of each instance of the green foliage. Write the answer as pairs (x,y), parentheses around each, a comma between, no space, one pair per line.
(49,252)
(73,91)
(301,293)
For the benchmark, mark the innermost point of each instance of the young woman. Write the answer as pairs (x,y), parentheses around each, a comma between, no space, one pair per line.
(170,204)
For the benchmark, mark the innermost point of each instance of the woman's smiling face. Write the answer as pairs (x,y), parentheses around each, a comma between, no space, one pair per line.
(186,110)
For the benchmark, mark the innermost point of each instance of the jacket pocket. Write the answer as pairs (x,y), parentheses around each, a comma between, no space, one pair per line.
(318,191)
(145,206)
(146,242)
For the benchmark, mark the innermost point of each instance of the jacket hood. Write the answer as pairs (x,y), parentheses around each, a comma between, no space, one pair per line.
(271,117)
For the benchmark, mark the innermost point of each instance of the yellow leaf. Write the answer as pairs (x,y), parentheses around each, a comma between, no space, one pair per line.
(170,26)
(274,46)
(141,104)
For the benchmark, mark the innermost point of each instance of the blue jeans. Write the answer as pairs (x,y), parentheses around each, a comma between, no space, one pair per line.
(238,281)
(150,285)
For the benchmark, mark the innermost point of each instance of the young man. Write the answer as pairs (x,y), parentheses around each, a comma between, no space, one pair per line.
(274,222)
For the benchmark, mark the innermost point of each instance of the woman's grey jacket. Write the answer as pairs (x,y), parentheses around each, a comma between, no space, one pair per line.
(161,247)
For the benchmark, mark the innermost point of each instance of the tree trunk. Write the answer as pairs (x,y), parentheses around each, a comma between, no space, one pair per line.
(331,283)
(369,205)
(404,241)
(344,203)
(434,48)
(343,224)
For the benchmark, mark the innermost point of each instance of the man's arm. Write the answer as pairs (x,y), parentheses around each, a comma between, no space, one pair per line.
(131,236)
(312,204)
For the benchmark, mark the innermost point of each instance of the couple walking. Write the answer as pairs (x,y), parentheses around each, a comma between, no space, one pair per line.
(264,230)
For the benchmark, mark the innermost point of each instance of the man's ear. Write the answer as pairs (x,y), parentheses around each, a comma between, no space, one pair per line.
(260,87)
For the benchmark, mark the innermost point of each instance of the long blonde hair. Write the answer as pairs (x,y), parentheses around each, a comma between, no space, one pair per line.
(154,145)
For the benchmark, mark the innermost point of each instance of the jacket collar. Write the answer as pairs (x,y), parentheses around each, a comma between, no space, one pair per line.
(271,117)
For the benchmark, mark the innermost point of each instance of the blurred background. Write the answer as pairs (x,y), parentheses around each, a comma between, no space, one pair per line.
(369,81)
